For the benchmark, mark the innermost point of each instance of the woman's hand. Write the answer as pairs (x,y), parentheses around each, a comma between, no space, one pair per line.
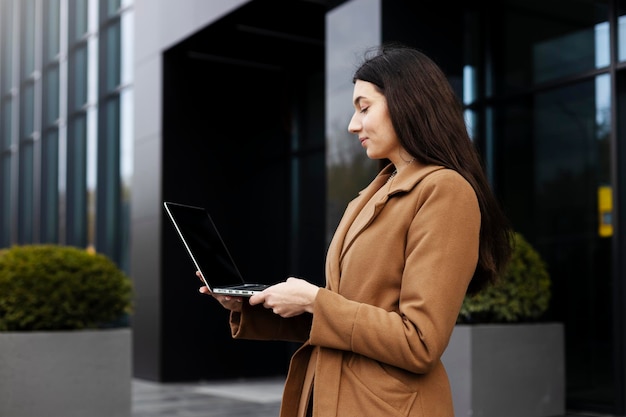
(228,302)
(287,299)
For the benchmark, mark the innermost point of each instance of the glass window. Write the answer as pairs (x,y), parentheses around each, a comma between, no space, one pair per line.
(78,78)
(27,48)
(109,180)
(547,40)
(6,119)
(76,213)
(6,46)
(49,187)
(51,30)
(27,113)
(111,47)
(109,8)
(127,45)
(6,115)
(126,171)
(51,95)
(5,200)
(26,192)
(621,31)
(555,176)
(308,175)
(347,170)
(79,22)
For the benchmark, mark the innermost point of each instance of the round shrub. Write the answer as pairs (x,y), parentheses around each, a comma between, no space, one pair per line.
(54,287)
(521,295)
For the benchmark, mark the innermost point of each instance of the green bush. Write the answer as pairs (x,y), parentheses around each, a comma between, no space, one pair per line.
(53,287)
(521,295)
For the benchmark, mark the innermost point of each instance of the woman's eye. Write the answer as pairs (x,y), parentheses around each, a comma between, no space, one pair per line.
(364,109)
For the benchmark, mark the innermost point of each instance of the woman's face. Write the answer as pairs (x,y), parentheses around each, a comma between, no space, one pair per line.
(372,123)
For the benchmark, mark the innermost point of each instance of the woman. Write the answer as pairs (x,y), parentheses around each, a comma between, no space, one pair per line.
(424,232)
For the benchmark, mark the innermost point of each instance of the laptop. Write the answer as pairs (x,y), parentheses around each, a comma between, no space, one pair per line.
(208,251)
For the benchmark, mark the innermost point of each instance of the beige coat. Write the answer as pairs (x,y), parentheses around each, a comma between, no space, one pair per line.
(391,300)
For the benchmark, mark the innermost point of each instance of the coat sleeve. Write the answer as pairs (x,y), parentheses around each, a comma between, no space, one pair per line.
(440,258)
(259,323)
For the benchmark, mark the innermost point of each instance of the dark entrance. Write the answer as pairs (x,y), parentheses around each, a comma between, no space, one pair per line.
(243,135)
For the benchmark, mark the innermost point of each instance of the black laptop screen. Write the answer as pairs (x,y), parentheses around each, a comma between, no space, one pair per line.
(205,243)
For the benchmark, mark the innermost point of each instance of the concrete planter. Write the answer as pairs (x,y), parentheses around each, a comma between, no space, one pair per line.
(507,370)
(66,373)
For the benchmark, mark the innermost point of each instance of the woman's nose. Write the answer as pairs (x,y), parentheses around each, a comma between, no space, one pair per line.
(354,125)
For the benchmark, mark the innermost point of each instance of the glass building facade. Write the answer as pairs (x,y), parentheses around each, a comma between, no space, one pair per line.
(65,140)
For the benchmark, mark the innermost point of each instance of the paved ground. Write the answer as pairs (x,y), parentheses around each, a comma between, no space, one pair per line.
(240,398)
(254,397)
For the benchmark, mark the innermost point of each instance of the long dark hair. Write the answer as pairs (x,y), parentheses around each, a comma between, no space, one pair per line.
(428,119)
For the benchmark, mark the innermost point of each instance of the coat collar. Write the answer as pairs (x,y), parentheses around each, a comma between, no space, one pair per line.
(405,181)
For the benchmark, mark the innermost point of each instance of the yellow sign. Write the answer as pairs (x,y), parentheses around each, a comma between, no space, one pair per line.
(605,211)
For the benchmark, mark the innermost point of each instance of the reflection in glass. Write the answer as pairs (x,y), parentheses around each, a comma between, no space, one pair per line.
(6,125)
(474,62)
(5,200)
(126,140)
(603,141)
(541,43)
(602,45)
(621,31)
(27,113)
(571,53)
(78,77)
(108,191)
(470,87)
(109,8)
(6,46)
(125,172)
(51,95)
(51,37)
(6,155)
(49,187)
(93,159)
(76,213)
(554,170)
(127,45)
(27,48)
(79,22)
(26,192)
(112,46)
(348,168)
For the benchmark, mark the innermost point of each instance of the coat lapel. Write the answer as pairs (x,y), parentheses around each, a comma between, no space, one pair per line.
(410,177)
(352,210)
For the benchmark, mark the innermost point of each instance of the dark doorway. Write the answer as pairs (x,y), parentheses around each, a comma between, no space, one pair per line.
(243,135)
